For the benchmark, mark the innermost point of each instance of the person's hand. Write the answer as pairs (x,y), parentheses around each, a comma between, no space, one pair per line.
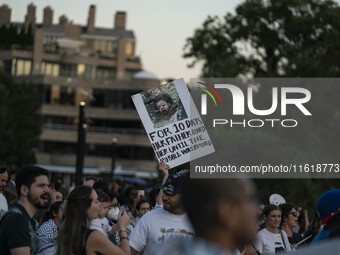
(164,168)
(123,220)
(53,195)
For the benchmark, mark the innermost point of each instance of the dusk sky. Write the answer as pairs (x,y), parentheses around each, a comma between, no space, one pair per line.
(160,26)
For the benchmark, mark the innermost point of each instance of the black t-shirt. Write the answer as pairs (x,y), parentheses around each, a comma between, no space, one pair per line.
(295,238)
(15,231)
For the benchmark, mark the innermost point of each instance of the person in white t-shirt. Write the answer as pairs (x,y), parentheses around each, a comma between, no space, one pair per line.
(102,223)
(165,223)
(271,239)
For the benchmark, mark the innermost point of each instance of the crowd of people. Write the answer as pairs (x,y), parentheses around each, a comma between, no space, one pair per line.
(177,216)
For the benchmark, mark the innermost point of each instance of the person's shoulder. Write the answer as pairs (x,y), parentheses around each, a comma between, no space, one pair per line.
(151,216)
(12,217)
(96,221)
(95,235)
(157,211)
(284,233)
(262,232)
(47,224)
(297,235)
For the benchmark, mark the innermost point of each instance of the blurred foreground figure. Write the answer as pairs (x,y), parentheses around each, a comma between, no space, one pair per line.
(328,208)
(223,213)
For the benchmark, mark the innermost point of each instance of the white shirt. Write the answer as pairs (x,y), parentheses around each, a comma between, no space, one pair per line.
(266,242)
(159,226)
(102,225)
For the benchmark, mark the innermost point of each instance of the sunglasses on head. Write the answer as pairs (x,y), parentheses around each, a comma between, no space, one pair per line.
(295,213)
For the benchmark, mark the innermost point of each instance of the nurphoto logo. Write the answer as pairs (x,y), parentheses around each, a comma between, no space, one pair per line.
(301,97)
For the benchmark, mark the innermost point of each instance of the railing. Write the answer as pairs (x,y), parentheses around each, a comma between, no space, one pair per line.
(94,129)
(17,47)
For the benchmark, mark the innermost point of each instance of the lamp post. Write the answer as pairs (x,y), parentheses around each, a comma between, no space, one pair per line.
(81,143)
(113,156)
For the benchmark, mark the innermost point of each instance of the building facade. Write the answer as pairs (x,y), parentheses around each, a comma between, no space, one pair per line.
(71,63)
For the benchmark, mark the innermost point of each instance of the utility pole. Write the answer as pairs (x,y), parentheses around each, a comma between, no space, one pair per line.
(81,143)
(113,157)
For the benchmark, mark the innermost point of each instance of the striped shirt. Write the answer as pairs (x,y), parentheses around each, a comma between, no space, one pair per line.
(48,233)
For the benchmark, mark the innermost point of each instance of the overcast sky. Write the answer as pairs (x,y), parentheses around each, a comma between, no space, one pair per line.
(160,26)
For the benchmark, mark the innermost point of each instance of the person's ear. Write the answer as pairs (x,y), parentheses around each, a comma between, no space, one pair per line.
(24,190)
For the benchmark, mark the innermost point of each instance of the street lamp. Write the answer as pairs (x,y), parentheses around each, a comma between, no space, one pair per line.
(81,143)
(113,156)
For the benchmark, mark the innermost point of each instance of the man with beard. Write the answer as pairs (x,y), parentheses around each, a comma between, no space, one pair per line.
(165,223)
(223,213)
(18,228)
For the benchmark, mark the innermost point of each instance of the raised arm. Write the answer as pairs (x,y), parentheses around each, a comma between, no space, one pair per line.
(164,168)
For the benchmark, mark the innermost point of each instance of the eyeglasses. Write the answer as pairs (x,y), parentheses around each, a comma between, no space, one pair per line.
(295,213)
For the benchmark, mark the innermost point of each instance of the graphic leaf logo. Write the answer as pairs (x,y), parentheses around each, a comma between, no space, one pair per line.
(209,93)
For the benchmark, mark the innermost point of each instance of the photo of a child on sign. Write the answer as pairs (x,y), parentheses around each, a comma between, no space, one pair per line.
(164,105)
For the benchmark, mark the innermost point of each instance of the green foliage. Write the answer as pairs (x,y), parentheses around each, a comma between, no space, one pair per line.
(12,35)
(293,38)
(20,122)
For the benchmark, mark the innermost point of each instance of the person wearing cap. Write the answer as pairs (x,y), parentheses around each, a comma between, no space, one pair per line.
(223,213)
(165,223)
(328,208)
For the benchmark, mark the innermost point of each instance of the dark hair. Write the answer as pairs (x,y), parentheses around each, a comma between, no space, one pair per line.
(285,210)
(164,97)
(112,195)
(2,169)
(201,198)
(128,190)
(71,237)
(153,194)
(269,208)
(92,177)
(140,202)
(26,176)
(13,172)
(53,209)
(102,196)
(100,185)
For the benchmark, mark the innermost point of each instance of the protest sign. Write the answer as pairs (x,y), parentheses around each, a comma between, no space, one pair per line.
(173,124)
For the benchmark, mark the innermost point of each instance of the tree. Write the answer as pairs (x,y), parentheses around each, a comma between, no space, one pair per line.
(293,38)
(20,122)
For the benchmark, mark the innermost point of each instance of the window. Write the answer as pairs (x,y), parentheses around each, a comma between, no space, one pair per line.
(129,48)
(21,67)
(49,68)
(104,46)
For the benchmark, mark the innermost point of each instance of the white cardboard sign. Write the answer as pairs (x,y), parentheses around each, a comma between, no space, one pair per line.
(173,124)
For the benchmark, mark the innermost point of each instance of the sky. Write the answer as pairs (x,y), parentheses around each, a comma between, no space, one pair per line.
(160,26)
